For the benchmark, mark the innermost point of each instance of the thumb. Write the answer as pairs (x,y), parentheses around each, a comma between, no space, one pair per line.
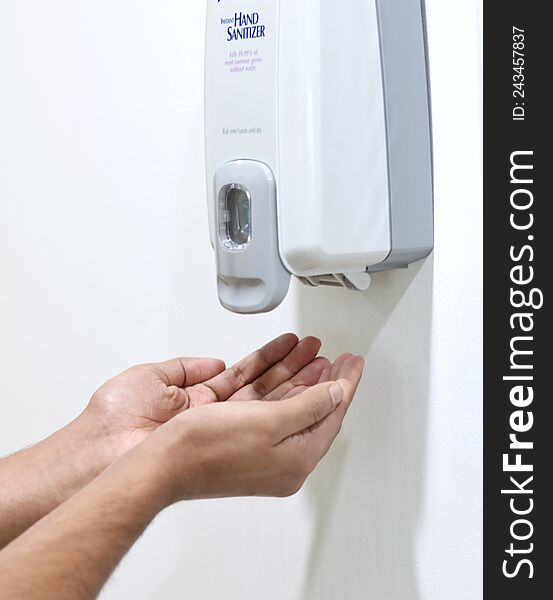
(309,408)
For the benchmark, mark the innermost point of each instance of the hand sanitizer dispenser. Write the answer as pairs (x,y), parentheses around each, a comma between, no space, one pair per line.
(318,142)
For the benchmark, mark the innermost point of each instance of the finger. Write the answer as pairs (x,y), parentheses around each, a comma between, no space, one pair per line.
(325,375)
(309,376)
(252,367)
(301,356)
(309,408)
(349,375)
(183,372)
(335,371)
(325,432)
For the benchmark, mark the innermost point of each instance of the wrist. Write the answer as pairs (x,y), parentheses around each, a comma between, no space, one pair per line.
(146,474)
(93,446)
(168,464)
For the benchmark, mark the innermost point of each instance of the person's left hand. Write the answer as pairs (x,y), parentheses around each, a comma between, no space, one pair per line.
(130,406)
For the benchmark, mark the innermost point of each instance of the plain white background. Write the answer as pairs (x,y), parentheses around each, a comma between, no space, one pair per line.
(105,262)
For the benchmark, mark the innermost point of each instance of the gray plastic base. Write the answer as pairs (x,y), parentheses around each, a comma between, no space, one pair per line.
(409,129)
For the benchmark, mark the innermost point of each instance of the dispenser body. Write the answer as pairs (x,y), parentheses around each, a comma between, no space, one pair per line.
(320,113)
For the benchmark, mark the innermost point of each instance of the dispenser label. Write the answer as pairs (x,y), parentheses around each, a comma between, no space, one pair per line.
(244,26)
(241,80)
(243,61)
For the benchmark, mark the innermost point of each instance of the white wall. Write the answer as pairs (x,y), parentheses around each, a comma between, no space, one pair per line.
(105,262)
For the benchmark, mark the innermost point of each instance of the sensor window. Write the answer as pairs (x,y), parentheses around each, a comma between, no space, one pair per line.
(235,214)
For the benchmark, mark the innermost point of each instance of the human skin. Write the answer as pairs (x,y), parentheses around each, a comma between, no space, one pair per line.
(240,448)
(197,431)
(124,411)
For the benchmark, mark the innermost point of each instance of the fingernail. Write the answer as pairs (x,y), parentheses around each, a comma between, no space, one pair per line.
(337,394)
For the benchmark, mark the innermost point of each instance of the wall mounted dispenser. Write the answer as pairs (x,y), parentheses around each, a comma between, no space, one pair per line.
(318,144)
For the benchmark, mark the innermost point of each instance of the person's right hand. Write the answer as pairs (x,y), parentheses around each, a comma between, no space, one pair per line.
(250,447)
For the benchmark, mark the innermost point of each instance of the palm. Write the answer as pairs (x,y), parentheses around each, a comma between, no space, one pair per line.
(281,369)
(135,403)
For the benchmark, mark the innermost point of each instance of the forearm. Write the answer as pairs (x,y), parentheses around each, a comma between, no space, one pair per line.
(71,552)
(35,481)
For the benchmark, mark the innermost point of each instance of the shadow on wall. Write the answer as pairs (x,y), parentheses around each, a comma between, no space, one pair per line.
(366,496)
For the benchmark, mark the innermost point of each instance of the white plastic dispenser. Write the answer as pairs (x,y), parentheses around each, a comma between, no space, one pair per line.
(318,144)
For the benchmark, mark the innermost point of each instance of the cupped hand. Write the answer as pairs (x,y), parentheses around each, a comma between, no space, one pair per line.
(132,405)
(250,447)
